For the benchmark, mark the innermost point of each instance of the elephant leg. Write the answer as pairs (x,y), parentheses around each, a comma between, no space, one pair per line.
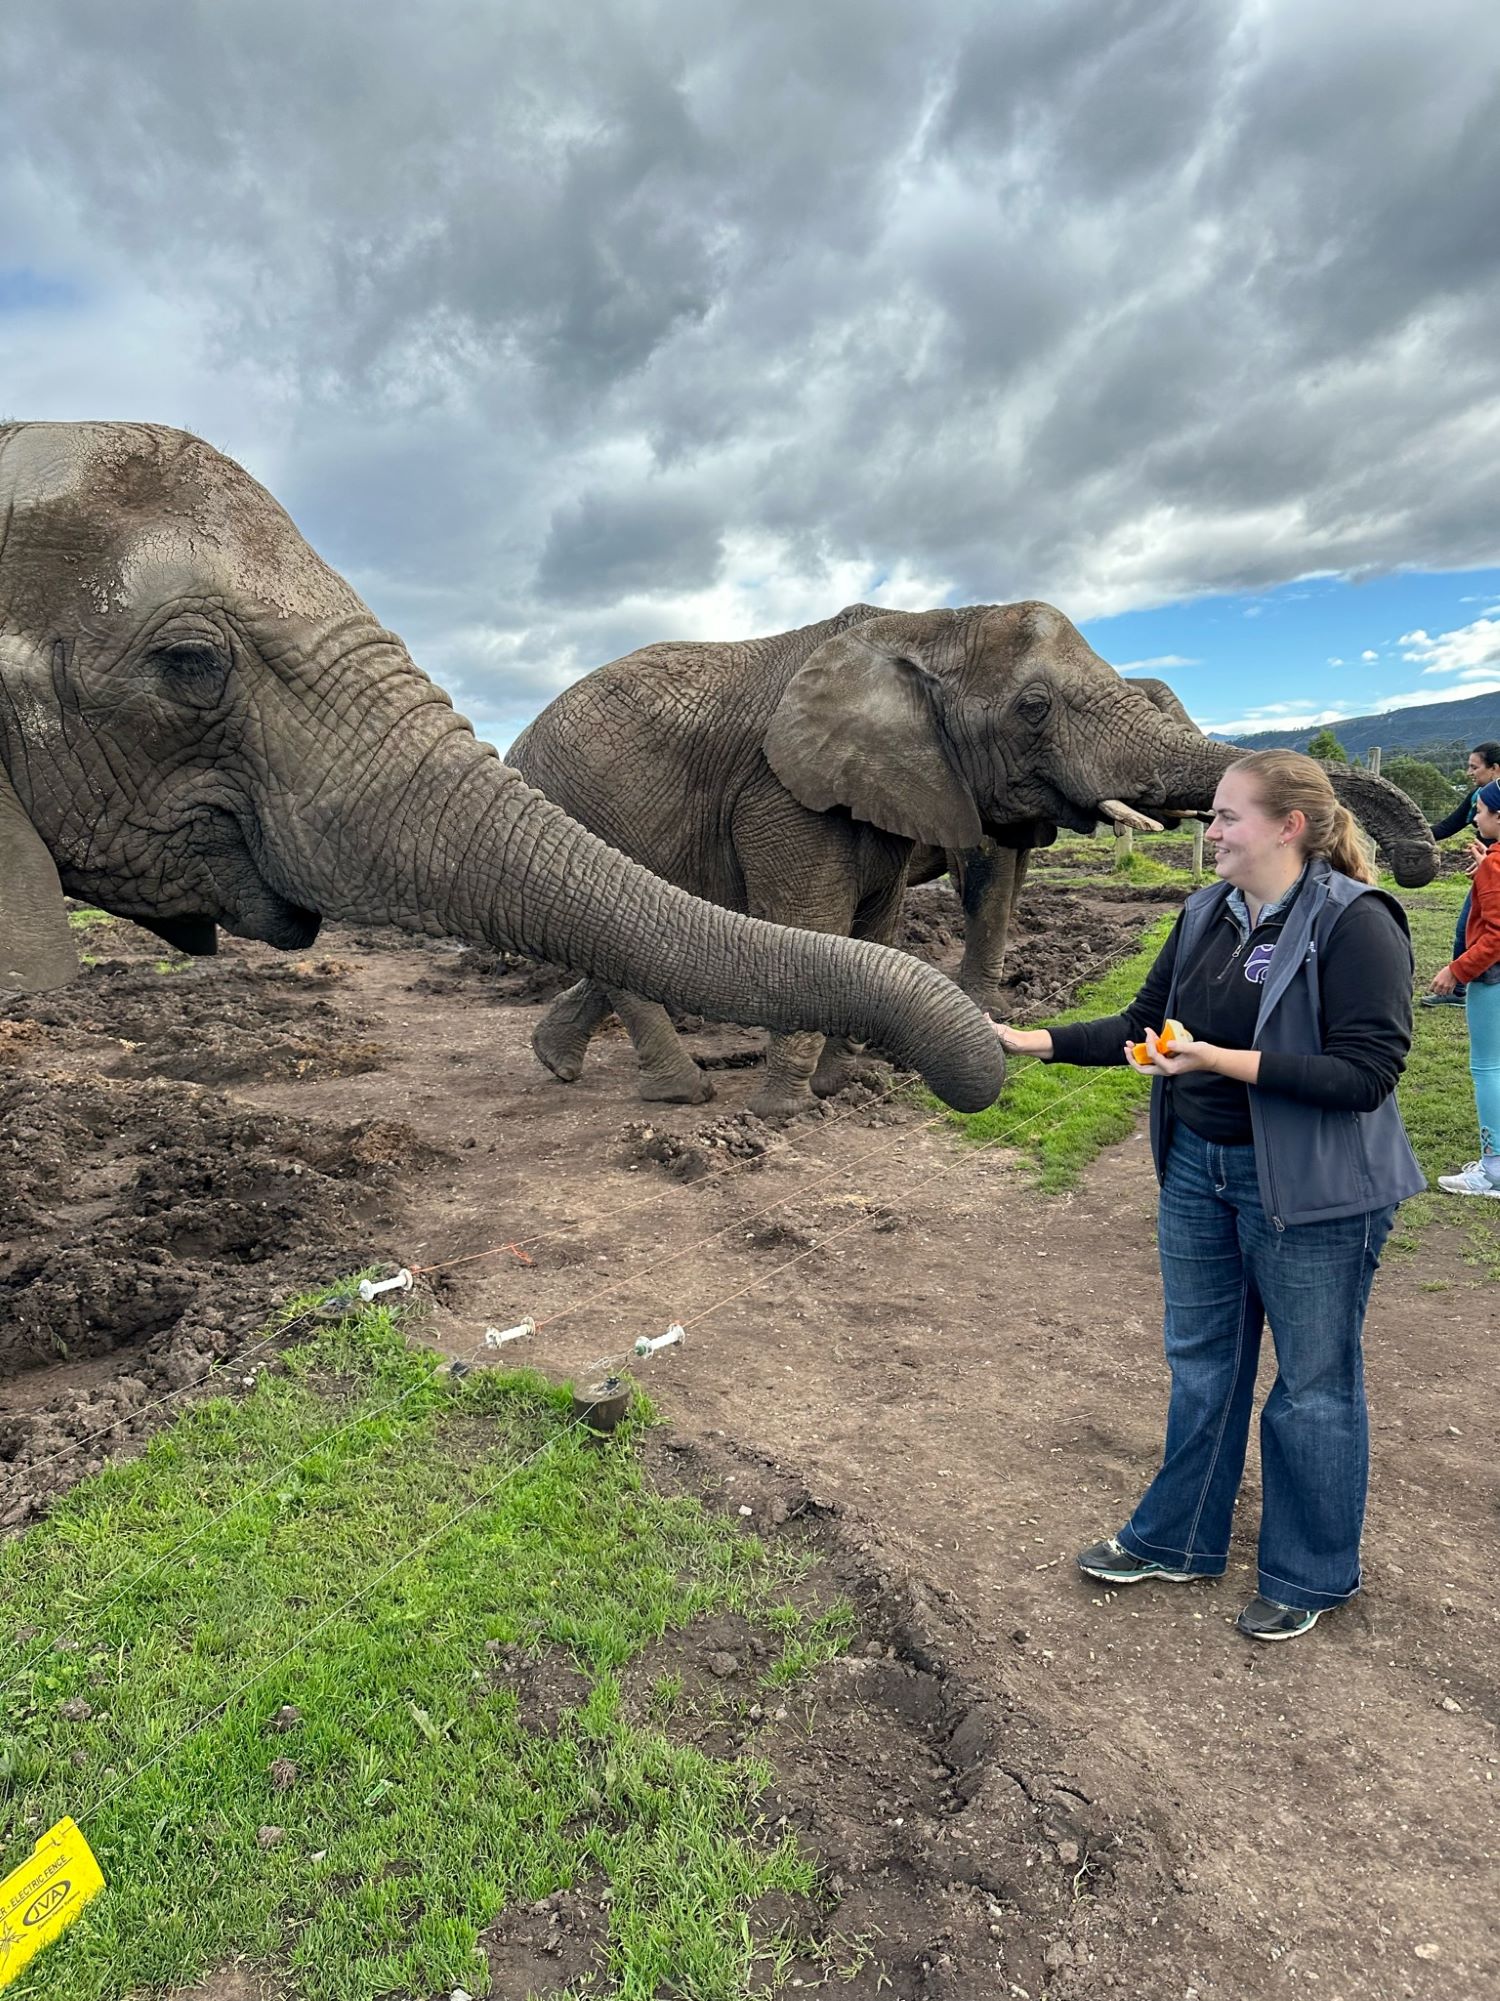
(842,1061)
(669,1076)
(561,1037)
(786,1088)
(793,1061)
(989,879)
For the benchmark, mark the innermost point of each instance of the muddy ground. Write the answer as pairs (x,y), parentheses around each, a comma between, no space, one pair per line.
(1017,1784)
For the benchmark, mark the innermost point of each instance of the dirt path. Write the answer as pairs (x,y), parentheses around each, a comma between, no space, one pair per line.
(971,1378)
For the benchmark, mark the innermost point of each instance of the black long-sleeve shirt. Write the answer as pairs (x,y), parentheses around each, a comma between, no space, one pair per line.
(1454,823)
(1364,1014)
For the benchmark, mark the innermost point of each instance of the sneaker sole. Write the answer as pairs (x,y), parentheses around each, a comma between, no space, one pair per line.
(1271,1638)
(1139,1576)
(1484,1194)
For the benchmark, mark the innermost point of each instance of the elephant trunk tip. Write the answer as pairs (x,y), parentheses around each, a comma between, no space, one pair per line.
(1414,863)
(970,1076)
(968,1096)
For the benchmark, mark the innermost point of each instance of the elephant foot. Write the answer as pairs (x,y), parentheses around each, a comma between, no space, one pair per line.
(561,1038)
(560,1048)
(781,1107)
(831,1078)
(990,998)
(691,1086)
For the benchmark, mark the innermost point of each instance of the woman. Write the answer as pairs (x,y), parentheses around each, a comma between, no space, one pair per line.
(1478,965)
(1282,1158)
(1484,769)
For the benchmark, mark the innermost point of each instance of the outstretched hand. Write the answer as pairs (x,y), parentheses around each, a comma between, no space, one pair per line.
(1023,1041)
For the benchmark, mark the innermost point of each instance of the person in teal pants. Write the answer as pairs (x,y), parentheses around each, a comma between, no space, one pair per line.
(1484,766)
(1478,966)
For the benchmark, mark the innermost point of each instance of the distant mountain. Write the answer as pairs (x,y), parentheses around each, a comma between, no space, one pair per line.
(1437,726)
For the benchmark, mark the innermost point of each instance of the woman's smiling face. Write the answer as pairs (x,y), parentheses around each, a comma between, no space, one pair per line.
(1246,838)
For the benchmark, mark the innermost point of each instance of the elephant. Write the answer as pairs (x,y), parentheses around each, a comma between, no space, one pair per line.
(989,877)
(797,777)
(202,726)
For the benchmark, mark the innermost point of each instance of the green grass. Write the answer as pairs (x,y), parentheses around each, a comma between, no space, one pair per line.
(87,919)
(189,1595)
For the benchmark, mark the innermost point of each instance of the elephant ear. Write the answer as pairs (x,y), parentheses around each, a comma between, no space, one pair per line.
(858,727)
(36,948)
(1161,697)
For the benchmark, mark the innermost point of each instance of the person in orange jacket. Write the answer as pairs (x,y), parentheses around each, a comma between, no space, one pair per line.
(1478,967)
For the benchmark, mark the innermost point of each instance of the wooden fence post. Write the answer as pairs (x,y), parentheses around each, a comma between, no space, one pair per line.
(1124,842)
(1375,760)
(1197,847)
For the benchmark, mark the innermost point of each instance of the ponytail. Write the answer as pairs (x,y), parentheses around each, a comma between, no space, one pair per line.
(1349,852)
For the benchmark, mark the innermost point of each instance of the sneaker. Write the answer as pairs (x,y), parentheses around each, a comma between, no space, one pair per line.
(1112,1563)
(1471,1180)
(1264,1619)
(1456,999)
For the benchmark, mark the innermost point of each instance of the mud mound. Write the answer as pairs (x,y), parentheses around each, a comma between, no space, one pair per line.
(549,1946)
(163,1220)
(688,1156)
(211,1021)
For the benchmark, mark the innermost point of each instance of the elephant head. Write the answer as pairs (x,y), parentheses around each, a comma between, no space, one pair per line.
(946,725)
(201,725)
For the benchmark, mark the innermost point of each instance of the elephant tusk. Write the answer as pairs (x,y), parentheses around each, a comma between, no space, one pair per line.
(1126,816)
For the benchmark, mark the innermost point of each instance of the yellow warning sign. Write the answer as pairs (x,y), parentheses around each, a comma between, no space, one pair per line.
(43,1896)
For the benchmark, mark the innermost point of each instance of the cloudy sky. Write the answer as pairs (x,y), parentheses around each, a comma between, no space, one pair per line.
(561,328)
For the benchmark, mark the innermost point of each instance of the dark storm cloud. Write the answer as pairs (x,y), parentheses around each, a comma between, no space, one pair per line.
(608,546)
(562,329)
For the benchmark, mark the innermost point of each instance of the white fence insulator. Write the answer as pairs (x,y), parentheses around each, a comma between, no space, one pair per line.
(372,1288)
(674,1334)
(496,1337)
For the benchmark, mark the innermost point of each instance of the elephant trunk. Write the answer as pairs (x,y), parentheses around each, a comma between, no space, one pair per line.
(1189,767)
(457,844)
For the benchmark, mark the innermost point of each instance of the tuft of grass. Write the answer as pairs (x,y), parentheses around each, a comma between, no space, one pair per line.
(89,919)
(357,1538)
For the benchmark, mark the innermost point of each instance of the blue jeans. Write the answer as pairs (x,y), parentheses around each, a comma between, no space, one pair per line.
(1225,1269)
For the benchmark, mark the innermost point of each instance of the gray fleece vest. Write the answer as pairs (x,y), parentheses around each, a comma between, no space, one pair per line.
(1313,1165)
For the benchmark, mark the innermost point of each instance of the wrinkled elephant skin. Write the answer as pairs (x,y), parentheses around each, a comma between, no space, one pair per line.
(795,777)
(201,725)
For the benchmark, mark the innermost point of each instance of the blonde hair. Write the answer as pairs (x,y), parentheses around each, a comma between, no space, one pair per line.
(1288,782)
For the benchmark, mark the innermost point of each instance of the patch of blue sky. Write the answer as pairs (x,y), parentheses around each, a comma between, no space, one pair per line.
(24,290)
(1318,648)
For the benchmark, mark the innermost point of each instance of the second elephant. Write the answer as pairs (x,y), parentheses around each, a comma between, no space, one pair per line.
(794,776)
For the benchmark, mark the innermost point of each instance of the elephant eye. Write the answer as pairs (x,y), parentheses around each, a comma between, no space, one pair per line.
(1033,704)
(189,663)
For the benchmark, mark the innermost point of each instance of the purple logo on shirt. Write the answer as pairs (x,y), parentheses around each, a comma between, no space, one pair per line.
(1259,964)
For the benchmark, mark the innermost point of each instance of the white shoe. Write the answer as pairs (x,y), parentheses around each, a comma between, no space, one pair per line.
(1472,1181)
